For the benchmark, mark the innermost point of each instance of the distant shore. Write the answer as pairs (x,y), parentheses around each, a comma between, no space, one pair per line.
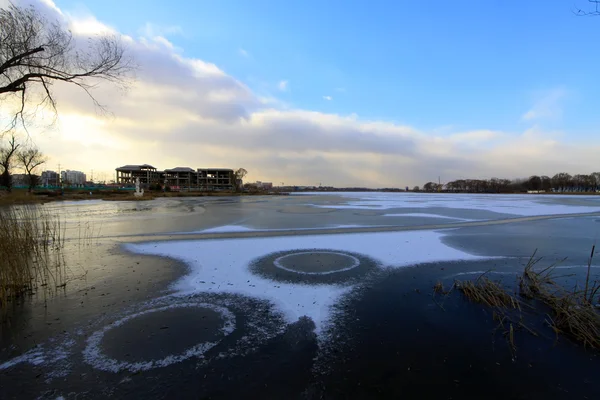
(22,196)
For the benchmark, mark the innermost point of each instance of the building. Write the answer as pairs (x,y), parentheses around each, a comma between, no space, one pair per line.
(265,185)
(73,178)
(50,178)
(127,174)
(20,180)
(215,179)
(179,178)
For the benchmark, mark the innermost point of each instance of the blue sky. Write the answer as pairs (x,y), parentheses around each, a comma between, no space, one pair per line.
(436,65)
(346,93)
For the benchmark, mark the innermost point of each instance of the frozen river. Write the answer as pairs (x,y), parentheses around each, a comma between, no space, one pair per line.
(313,295)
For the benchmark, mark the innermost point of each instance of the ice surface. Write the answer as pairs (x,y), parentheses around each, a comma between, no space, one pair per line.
(524,205)
(223,265)
(244,228)
(426,215)
(226,229)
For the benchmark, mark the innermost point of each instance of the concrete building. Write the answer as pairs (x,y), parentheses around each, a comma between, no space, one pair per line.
(127,174)
(50,178)
(73,178)
(179,178)
(20,180)
(215,179)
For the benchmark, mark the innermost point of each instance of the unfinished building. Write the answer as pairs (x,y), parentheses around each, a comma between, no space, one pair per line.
(215,179)
(127,174)
(179,178)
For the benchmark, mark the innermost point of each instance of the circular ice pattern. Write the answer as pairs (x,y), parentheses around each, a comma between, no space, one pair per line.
(94,355)
(317,262)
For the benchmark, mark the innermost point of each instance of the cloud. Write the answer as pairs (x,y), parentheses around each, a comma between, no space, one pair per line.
(243,53)
(187,111)
(547,106)
(328,98)
(283,85)
(151,30)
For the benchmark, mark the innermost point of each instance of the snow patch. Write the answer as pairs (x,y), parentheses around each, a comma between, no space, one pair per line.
(222,266)
(58,356)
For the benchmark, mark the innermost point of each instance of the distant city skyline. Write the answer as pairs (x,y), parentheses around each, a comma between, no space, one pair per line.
(390,94)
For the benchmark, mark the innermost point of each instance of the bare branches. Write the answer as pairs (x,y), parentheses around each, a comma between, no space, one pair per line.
(238,177)
(30,159)
(35,53)
(7,152)
(595,10)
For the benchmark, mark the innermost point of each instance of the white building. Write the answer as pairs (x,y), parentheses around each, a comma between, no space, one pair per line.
(72,178)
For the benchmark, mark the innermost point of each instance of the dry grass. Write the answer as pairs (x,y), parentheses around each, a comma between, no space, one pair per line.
(31,242)
(573,313)
(488,292)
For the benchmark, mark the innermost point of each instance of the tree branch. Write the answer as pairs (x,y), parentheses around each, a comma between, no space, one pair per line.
(11,62)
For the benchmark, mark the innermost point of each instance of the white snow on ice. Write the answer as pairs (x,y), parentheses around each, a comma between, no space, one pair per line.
(223,265)
(227,229)
(355,263)
(426,215)
(524,205)
(244,228)
(94,355)
(56,353)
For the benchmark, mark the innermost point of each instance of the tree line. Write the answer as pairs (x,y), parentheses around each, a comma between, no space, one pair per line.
(24,156)
(561,182)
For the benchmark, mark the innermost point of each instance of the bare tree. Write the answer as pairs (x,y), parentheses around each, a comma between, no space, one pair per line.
(238,177)
(7,152)
(30,159)
(35,53)
(595,176)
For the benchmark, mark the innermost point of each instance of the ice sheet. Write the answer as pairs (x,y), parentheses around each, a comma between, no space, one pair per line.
(223,265)
(524,205)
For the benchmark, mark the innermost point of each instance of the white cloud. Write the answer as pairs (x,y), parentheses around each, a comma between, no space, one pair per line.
(546,106)
(283,85)
(243,53)
(151,30)
(187,111)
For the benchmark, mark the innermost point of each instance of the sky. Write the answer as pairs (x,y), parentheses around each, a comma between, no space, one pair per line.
(341,93)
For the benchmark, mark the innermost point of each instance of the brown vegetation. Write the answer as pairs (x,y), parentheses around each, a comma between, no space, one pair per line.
(574,313)
(31,242)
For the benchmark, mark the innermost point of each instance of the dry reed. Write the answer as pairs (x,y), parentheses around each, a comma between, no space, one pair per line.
(574,313)
(31,242)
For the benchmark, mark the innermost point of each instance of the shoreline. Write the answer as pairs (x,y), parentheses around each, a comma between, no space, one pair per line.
(21,197)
